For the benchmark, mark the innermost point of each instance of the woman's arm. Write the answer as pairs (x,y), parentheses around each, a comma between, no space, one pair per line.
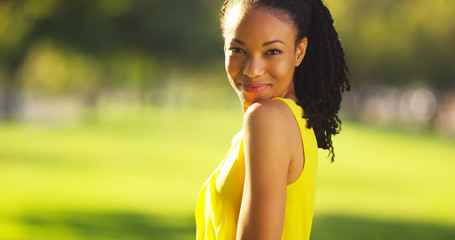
(267,157)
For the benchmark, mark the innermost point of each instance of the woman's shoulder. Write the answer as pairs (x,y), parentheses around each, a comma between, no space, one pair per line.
(270,113)
(271,109)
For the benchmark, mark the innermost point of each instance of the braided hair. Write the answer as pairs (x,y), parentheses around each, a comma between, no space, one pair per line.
(323,75)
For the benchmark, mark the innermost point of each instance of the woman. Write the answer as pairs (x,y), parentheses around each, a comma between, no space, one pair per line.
(284,60)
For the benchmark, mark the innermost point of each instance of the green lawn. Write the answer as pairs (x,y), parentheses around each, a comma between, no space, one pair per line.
(136,175)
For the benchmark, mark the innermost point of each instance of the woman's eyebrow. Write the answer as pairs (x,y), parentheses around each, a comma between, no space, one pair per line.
(264,44)
(272,42)
(238,41)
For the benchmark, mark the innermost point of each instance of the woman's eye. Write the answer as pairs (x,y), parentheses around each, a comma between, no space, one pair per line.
(236,50)
(273,52)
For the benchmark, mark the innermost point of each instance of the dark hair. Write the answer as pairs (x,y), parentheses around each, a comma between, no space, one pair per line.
(323,75)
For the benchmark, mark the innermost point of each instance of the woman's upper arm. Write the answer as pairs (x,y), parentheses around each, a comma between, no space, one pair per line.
(267,158)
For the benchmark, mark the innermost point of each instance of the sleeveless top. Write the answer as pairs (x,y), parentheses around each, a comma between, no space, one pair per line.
(219,200)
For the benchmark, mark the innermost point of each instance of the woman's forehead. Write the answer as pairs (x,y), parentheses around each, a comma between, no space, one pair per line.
(237,12)
(244,22)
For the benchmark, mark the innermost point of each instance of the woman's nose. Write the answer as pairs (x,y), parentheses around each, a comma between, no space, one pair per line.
(254,67)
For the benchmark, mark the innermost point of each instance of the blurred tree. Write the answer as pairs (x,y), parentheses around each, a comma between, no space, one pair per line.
(398,42)
(120,37)
(68,46)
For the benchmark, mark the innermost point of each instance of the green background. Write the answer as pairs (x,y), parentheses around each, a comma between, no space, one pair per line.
(136,175)
(113,113)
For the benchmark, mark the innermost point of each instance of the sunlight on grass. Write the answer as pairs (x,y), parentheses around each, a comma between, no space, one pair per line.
(389,174)
(137,176)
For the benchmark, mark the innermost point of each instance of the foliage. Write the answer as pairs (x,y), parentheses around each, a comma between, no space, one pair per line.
(55,47)
(398,42)
(66,47)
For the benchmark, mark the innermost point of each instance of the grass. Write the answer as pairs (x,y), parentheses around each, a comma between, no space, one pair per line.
(136,175)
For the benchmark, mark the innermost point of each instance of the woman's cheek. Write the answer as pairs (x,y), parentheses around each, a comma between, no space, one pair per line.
(233,66)
(279,70)
(232,71)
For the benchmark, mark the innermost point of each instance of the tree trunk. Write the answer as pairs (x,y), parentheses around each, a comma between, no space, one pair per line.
(8,97)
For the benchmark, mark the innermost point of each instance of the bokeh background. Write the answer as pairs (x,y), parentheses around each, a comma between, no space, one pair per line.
(114,112)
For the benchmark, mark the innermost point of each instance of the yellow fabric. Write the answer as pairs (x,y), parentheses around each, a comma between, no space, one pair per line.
(219,200)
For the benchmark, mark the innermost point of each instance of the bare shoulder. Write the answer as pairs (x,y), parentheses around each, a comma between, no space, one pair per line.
(270,111)
(272,123)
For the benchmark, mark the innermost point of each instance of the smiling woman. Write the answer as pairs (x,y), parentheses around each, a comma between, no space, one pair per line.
(260,64)
(284,60)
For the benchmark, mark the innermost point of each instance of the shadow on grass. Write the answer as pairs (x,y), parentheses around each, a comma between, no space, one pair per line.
(351,228)
(108,225)
(111,225)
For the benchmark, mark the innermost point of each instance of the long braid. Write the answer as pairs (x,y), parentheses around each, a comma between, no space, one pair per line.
(322,76)
(322,113)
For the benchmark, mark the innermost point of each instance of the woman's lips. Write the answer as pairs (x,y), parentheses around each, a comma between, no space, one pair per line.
(253,87)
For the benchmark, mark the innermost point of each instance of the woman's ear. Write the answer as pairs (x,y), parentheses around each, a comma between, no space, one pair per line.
(300,50)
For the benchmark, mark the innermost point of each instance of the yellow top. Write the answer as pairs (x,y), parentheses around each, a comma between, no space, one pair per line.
(218,204)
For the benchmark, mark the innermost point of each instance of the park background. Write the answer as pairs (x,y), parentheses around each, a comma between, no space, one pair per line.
(114,112)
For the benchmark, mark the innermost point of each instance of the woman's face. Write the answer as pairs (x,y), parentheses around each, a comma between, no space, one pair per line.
(261,54)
